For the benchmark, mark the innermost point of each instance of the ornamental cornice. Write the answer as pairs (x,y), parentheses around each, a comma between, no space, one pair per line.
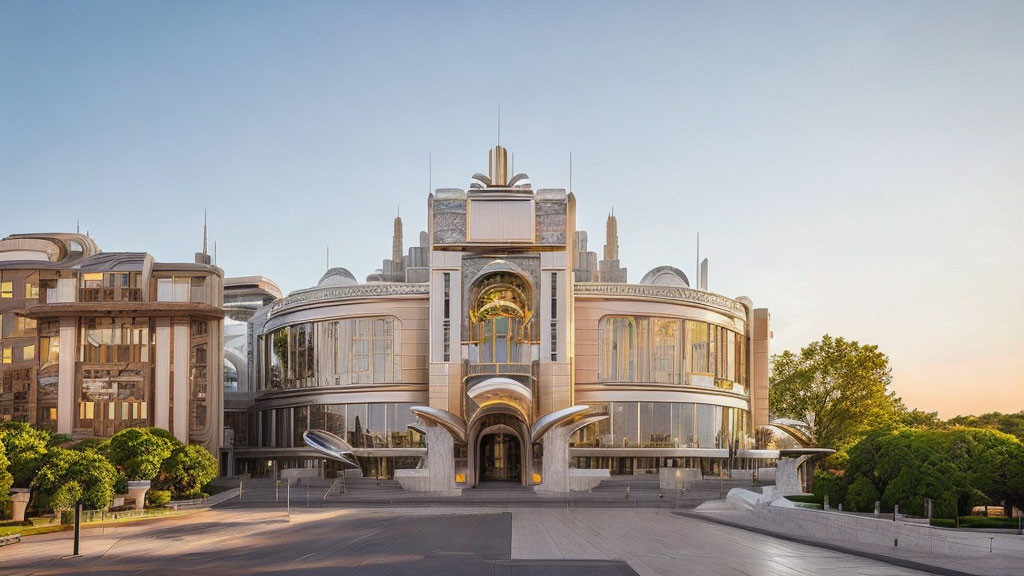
(679,293)
(333,293)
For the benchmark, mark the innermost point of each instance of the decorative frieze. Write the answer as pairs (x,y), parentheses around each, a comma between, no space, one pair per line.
(449,221)
(550,221)
(347,292)
(680,293)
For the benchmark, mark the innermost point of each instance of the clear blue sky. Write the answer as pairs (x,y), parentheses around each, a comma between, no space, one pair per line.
(858,168)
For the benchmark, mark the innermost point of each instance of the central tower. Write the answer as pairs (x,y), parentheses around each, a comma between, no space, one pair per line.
(500,315)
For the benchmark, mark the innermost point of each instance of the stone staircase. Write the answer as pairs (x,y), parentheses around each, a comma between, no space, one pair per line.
(614,492)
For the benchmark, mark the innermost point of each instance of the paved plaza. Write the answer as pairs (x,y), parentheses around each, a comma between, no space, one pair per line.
(531,542)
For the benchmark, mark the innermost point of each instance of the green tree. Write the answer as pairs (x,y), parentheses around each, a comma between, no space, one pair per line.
(92,472)
(861,496)
(138,452)
(25,447)
(840,385)
(6,480)
(188,469)
(1012,424)
(920,419)
(956,469)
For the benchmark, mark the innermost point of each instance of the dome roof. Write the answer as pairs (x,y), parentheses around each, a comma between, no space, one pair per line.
(337,277)
(666,276)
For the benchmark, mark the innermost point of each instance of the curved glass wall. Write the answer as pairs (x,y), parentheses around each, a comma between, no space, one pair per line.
(333,353)
(660,350)
(666,425)
(375,425)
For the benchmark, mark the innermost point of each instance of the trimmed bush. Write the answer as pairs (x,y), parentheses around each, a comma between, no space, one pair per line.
(188,469)
(138,452)
(976,522)
(807,498)
(68,475)
(158,497)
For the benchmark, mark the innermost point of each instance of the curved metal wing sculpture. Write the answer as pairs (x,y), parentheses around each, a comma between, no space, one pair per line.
(557,417)
(330,445)
(443,418)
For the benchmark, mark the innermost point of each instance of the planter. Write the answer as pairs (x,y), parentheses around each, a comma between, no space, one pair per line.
(137,489)
(19,500)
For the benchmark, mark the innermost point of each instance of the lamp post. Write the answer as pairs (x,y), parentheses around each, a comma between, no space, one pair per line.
(78,517)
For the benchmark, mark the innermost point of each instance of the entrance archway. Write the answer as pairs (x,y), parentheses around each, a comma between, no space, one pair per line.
(500,458)
(498,450)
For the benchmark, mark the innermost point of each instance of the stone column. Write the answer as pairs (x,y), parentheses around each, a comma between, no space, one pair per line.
(555,477)
(181,392)
(66,376)
(440,459)
(162,377)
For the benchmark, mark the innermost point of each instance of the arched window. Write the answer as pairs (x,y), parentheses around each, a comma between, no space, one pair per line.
(640,349)
(501,320)
(618,347)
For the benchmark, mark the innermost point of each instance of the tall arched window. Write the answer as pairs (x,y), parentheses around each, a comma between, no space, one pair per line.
(501,320)
(618,345)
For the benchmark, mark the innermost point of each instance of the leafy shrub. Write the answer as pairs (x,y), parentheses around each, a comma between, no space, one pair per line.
(861,496)
(96,444)
(158,497)
(188,469)
(806,498)
(91,472)
(25,447)
(956,468)
(138,452)
(829,483)
(976,522)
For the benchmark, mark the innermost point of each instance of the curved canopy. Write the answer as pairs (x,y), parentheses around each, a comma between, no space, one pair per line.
(503,391)
(330,445)
(443,418)
(557,417)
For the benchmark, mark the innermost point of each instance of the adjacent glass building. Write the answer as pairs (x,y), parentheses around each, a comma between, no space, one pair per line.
(95,342)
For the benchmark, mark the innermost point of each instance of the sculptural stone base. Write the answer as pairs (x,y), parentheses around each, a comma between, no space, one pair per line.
(137,489)
(555,477)
(440,460)
(787,476)
(19,501)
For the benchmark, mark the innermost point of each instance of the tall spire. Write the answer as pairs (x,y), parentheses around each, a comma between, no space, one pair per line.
(203,257)
(397,243)
(611,243)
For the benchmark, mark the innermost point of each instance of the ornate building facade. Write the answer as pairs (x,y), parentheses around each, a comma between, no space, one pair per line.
(501,348)
(95,342)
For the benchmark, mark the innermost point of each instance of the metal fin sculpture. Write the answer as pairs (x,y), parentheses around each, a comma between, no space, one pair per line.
(330,445)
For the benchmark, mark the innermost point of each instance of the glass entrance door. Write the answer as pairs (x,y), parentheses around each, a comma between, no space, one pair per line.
(500,458)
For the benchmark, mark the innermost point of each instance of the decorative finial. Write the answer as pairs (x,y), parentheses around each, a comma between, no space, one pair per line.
(204,231)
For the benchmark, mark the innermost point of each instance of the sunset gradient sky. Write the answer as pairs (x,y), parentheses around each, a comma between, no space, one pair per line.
(858,168)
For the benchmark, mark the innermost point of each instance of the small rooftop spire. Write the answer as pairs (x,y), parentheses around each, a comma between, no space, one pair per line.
(204,231)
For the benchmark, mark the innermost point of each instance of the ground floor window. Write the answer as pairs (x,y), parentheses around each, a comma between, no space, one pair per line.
(373,425)
(666,425)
